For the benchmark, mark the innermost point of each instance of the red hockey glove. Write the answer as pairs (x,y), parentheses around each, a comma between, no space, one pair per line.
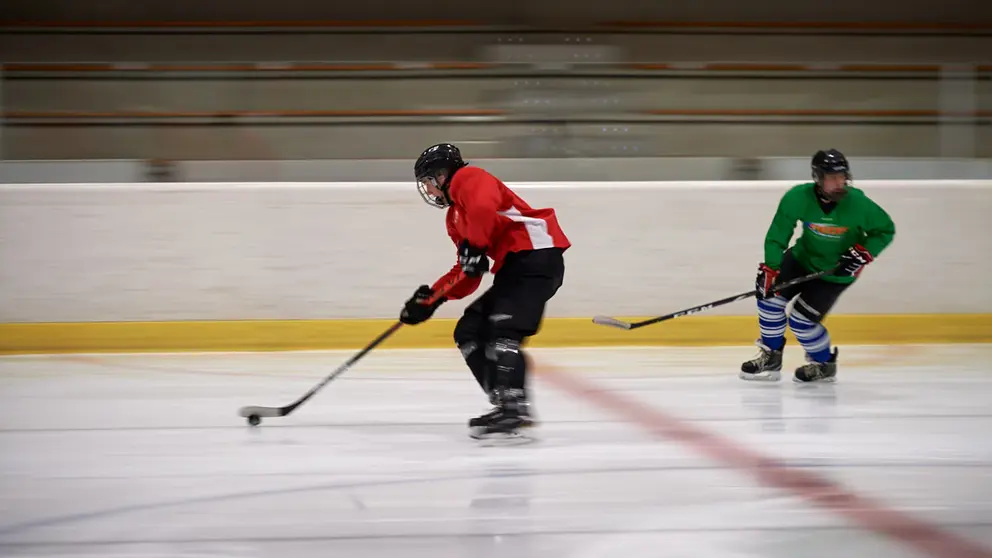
(473,261)
(853,262)
(764,281)
(416,310)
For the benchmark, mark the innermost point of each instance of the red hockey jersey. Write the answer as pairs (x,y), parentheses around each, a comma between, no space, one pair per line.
(489,215)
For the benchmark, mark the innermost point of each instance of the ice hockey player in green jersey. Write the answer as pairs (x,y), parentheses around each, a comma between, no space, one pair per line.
(842,230)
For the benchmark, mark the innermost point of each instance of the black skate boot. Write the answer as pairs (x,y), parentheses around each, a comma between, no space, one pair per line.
(510,414)
(523,405)
(766,367)
(817,371)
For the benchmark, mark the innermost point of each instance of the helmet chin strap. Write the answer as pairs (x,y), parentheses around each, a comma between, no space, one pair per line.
(826,198)
(822,194)
(442,187)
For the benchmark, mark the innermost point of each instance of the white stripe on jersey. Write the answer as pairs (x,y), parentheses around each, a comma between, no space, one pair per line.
(537,229)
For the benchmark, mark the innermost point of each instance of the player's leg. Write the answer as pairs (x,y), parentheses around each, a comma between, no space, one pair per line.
(811,307)
(772,320)
(472,334)
(522,289)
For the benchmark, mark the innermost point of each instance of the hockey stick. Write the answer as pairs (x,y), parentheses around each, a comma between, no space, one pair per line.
(607,321)
(254,413)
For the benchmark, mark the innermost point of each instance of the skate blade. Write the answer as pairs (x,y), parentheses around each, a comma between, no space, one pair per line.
(829,380)
(514,438)
(768,376)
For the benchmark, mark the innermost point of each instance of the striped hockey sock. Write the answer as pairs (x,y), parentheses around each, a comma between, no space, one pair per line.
(771,321)
(812,336)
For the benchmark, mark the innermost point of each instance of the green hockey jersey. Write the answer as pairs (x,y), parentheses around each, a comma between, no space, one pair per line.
(855,219)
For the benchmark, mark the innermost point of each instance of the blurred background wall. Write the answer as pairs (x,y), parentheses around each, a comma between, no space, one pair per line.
(538,90)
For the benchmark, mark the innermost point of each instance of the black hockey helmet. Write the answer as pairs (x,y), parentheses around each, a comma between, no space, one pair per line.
(437,159)
(827,162)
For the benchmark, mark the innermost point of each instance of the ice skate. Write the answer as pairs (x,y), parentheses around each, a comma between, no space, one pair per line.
(817,371)
(509,418)
(766,367)
(523,403)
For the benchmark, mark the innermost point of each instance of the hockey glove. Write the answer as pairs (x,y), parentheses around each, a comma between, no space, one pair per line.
(853,262)
(473,261)
(764,282)
(417,310)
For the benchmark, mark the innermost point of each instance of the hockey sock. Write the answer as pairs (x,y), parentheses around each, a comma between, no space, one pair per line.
(771,321)
(480,366)
(812,336)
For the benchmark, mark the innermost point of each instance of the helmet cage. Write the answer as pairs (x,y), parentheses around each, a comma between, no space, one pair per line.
(439,202)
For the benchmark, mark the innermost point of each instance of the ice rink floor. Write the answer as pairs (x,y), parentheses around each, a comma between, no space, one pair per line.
(641,452)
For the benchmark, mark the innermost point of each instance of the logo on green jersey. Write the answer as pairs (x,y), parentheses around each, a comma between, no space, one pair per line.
(826,231)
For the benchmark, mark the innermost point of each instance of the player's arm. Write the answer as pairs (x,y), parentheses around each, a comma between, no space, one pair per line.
(879,231)
(780,230)
(480,201)
(463,289)
(416,310)
(468,285)
(776,243)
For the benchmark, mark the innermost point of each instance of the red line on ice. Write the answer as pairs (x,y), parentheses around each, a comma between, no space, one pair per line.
(924,537)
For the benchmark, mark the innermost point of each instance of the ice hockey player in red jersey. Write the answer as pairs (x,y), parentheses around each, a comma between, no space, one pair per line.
(485,219)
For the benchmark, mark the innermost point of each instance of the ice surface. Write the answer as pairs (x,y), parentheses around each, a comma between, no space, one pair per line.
(143,455)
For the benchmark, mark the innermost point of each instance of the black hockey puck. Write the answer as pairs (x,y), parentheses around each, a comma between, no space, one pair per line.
(254,420)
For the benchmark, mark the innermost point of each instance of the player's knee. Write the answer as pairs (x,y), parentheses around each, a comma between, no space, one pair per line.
(504,339)
(800,322)
(802,312)
(504,347)
(505,352)
(467,330)
(467,349)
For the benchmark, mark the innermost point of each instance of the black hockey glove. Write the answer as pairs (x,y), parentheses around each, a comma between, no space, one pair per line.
(853,262)
(416,310)
(473,261)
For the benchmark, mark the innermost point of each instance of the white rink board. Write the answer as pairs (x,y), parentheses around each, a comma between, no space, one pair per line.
(174,251)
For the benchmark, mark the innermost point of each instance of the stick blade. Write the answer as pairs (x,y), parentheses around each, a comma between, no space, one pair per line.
(612,322)
(262,412)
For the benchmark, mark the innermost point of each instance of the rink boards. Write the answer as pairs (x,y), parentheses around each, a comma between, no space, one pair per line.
(150,267)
